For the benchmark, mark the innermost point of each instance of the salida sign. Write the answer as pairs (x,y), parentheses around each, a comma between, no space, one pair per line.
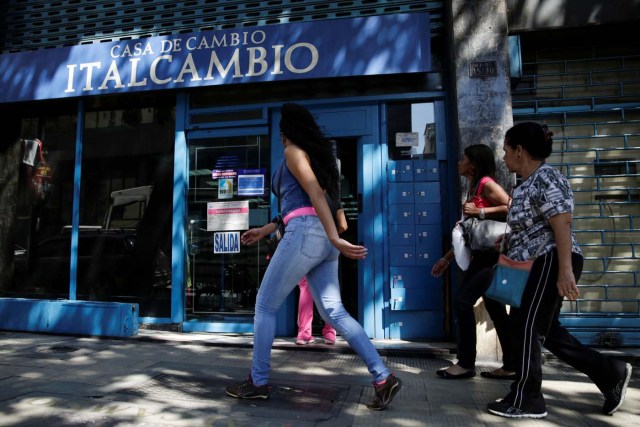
(346,47)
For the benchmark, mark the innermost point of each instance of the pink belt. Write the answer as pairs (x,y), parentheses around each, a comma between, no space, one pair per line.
(307,210)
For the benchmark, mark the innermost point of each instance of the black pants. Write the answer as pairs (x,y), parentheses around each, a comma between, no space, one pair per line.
(536,324)
(474,284)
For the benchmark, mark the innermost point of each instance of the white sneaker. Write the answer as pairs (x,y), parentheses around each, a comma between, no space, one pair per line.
(305,342)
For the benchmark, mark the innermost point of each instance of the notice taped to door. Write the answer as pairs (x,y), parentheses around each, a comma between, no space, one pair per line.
(228,216)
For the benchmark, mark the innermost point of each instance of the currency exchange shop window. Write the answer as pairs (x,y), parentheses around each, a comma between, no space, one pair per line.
(126,202)
(37,199)
(229,192)
(411,130)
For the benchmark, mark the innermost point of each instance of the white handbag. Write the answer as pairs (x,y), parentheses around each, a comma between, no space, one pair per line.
(461,251)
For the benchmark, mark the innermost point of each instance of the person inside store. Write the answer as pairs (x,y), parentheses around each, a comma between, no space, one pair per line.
(541,216)
(310,248)
(305,319)
(485,199)
(305,301)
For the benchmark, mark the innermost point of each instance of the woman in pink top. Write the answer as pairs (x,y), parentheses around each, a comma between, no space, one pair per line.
(486,199)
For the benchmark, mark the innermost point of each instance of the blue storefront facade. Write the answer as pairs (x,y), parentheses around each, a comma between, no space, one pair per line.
(140,139)
(132,224)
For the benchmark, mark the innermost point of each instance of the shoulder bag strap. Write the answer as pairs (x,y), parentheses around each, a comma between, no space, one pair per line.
(279,181)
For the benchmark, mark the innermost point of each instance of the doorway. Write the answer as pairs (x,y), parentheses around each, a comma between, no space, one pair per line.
(347,155)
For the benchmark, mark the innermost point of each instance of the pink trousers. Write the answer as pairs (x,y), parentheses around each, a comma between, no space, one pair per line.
(305,315)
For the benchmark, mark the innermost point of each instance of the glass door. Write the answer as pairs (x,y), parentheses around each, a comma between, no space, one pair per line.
(226,174)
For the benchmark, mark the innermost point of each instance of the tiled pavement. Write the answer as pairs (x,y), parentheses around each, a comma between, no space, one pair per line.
(173,379)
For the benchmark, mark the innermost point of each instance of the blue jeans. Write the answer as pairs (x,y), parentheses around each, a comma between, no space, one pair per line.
(305,250)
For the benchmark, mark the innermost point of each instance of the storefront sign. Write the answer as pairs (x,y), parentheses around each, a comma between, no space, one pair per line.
(226,243)
(407,139)
(374,45)
(226,216)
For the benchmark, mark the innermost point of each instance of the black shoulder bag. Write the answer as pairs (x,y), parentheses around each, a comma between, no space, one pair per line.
(278,234)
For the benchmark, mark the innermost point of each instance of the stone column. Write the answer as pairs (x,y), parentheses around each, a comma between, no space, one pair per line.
(482,97)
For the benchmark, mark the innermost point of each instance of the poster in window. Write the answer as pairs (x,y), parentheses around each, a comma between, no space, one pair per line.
(225,188)
(228,216)
(251,182)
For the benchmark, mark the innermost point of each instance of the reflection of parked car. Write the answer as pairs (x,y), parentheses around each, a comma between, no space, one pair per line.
(106,266)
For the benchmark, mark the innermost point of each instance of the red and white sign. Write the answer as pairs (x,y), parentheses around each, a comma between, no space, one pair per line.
(228,216)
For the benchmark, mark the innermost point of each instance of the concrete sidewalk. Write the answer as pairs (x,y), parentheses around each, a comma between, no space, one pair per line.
(174,379)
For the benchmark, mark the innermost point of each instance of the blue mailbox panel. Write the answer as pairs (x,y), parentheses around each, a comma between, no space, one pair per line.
(425,170)
(402,234)
(393,171)
(416,299)
(406,170)
(413,277)
(400,171)
(420,170)
(402,214)
(413,288)
(427,213)
(427,256)
(428,234)
(406,325)
(427,192)
(401,193)
(402,255)
(428,244)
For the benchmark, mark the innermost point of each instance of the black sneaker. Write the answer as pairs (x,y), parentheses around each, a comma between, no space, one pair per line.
(613,398)
(505,410)
(247,390)
(385,393)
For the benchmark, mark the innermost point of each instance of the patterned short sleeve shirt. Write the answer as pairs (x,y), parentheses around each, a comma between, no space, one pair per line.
(543,195)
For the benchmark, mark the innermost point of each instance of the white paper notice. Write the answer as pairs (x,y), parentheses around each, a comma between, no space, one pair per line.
(228,216)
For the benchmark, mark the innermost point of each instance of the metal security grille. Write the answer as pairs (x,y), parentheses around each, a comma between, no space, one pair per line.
(29,25)
(590,98)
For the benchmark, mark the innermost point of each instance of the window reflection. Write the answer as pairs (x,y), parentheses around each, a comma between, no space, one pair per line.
(124,246)
(411,131)
(44,165)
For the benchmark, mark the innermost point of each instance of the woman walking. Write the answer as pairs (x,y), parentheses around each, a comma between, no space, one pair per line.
(486,199)
(540,217)
(310,247)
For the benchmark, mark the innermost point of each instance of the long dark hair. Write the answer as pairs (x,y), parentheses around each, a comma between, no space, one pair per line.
(484,161)
(299,126)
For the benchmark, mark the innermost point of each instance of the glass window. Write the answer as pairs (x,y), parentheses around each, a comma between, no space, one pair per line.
(225,170)
(126,202)
(411,130)
(44,136)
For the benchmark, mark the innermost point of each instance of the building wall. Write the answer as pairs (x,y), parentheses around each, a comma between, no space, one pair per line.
(589,95)
(526,15)
(29,25)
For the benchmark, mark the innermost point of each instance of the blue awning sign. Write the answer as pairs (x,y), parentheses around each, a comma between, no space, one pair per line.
(374,45)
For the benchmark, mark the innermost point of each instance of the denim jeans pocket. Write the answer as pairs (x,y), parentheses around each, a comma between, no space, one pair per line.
(314,245)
